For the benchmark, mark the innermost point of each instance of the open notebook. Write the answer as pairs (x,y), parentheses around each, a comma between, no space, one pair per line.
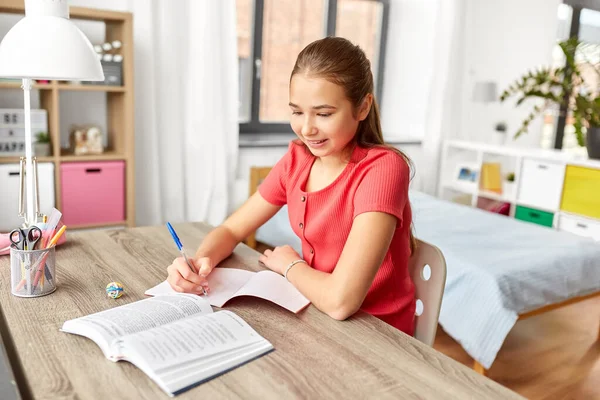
(227,283)
(176,340)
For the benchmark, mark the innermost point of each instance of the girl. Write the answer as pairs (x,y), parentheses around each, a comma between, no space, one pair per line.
(347,197)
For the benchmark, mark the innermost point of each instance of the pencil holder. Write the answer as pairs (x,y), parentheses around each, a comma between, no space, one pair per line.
(32,272)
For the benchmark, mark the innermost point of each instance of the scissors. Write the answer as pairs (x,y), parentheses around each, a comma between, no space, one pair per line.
(25,238)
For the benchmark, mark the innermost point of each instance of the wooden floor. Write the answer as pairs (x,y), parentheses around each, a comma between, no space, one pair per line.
(551,356)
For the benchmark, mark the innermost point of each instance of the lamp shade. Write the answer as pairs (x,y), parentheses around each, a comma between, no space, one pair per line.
(45,44)
(485,92)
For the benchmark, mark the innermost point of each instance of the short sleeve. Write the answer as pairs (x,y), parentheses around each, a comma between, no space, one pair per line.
(384,186)
(273,187)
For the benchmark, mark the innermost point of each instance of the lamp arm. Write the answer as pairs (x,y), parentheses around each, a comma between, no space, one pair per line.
(30,217)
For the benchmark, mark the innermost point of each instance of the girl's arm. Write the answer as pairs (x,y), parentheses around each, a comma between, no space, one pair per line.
(219,244)
(341,293)
(221,241)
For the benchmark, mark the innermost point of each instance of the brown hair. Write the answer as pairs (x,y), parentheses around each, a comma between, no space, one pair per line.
(341,62)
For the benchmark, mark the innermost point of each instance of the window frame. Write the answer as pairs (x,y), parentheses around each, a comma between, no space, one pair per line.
(577,6)
(255,126)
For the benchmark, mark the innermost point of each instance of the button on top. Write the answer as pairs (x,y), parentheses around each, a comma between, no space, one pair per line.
(312,251)
(301,225)
(303,198)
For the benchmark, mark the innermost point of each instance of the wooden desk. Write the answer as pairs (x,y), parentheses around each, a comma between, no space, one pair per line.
(315,356)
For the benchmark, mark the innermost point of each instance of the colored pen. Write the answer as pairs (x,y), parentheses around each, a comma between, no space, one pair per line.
(182,250)
(42,261)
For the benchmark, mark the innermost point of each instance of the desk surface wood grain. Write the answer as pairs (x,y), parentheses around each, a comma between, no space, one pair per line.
(315,356)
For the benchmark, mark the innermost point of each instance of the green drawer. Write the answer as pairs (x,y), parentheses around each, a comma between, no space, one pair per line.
(532,215)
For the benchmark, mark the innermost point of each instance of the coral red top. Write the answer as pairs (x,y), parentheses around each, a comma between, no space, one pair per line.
(375,179)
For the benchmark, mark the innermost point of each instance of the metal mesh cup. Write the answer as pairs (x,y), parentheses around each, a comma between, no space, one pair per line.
(32,272)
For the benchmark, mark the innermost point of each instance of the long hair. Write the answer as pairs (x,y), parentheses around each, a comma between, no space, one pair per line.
(341,62)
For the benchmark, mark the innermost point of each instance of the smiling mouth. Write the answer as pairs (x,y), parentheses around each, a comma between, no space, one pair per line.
(316,141)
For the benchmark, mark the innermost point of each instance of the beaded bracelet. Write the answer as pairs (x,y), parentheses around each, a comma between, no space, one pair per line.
(290,266)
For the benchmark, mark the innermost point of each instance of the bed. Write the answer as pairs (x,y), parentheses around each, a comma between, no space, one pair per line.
(500,269)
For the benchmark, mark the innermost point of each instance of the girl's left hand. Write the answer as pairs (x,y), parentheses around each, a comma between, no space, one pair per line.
(279,258)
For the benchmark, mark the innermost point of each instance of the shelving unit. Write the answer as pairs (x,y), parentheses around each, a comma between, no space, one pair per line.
(120,107)
(551,188)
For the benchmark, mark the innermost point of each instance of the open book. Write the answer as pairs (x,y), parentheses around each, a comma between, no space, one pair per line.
(176,340)
(227,283)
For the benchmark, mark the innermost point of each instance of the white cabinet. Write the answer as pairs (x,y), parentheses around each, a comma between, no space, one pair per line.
(551,187)
(9,193)
(541,184)
(579,226)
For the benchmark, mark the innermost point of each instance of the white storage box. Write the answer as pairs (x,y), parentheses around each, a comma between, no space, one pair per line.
(9,187)
(586,227)
(541,184)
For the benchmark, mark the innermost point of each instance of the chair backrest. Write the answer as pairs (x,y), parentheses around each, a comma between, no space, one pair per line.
(429,288)
(257,175)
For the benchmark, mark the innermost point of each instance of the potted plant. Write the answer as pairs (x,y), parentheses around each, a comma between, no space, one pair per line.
(41,147)
(508,186)
(562,86)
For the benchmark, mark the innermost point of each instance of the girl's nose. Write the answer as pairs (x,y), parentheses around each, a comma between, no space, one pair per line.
(308,128)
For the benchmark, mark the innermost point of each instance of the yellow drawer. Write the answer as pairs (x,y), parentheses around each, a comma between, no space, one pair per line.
(581,191)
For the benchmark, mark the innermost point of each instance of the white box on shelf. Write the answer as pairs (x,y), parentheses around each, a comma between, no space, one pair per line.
(578,225)
(541,184)
(9,201)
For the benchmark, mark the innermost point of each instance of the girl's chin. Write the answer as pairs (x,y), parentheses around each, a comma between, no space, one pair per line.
(319,151)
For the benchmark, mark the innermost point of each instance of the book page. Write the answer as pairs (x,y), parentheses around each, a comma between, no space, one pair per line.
(174,345)
(223,284)
(136,317)
(271,286)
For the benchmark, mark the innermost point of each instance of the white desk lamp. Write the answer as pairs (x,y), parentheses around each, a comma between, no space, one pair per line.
(46,45)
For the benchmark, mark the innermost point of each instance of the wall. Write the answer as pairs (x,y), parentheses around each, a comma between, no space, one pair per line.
(503,39)
(408,69)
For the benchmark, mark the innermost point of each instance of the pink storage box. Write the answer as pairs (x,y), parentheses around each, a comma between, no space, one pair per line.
(93,192)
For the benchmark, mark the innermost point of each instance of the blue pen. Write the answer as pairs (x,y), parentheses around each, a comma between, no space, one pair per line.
(182,250)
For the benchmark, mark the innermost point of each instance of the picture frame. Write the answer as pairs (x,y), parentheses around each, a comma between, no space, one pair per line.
(466,175)
(86,140)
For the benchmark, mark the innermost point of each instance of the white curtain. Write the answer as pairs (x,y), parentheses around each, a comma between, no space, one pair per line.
(443,108)
(186,82)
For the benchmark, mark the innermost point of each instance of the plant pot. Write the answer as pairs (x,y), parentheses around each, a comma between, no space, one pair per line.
(592,142)
(499,138)
(41,149)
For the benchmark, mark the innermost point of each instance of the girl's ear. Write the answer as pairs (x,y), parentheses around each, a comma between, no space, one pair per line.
(365,107)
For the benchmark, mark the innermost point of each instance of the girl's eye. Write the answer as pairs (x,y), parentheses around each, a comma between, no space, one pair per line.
(296,112)
(323,115)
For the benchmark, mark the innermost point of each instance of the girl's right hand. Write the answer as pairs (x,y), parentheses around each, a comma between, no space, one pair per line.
(183,280)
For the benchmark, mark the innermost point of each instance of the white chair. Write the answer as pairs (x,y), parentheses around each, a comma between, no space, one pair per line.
(429,288)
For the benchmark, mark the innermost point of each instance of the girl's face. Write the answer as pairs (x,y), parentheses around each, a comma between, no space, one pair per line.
(322,116)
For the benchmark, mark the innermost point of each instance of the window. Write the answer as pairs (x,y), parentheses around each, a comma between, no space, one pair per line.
(573,20)
(271,33)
